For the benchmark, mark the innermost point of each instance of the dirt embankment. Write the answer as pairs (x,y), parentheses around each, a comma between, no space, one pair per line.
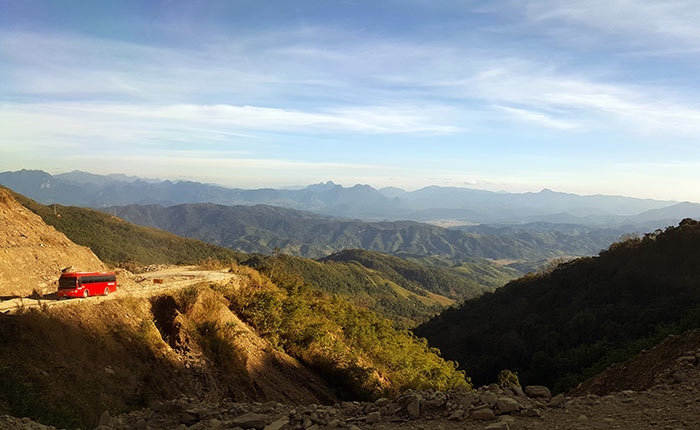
(32,254)
(65,365)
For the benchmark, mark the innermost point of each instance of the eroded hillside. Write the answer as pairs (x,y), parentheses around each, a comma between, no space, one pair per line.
(248,340)
(33,253)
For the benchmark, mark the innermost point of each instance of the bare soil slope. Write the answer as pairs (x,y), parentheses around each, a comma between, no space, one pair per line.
(67,364)
(668,363)
(32,254)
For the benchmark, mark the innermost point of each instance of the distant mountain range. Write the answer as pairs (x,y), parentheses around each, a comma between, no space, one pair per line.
(458,205)
(264,229)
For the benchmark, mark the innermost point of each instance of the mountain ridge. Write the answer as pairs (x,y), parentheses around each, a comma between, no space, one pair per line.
(359,201)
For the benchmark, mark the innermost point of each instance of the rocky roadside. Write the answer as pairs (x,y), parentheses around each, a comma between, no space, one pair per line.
(673,403)
(489,408)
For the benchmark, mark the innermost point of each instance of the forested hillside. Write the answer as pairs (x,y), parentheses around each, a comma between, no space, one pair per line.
(560,327)
(264,228)
(404,291)
(407,292)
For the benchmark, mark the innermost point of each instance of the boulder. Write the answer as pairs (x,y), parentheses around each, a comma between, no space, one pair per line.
(557,401)
(105,419)
(277,425)
(538,391)
(483,414)
(488,398)
(250,420)
(413,408)
(501,425)
(373,418)
(382,402)
(456,415)
(507,405)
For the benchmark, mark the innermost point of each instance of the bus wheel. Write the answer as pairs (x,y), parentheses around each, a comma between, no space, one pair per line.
(86,293)
(107,291)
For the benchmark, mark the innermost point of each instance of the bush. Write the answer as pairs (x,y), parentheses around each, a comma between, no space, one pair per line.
(507,379)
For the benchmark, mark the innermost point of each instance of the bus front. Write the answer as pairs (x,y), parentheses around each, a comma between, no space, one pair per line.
(69,286)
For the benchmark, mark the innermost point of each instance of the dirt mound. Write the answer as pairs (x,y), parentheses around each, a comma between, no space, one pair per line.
(669,362)
(32,254)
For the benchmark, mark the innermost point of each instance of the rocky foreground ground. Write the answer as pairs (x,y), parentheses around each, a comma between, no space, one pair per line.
(671,402)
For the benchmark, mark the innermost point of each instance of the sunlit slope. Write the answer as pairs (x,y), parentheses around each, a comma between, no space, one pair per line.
(405,291)
(32,254)
(115,240)
(250,340)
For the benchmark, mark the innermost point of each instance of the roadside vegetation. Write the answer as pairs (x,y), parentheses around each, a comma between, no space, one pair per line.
(354,348)
(65,365)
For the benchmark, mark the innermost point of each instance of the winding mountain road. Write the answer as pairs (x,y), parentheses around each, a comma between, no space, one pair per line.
(137,285)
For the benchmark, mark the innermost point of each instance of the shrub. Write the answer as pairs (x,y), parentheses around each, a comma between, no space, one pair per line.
(507,379)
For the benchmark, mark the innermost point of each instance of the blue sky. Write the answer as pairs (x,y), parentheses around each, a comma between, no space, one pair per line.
(581,96)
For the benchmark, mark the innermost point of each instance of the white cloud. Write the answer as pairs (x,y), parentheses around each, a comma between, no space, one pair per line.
(540,118)
(638,22)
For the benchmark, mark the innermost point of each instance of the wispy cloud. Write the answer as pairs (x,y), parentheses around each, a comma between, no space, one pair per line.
(636,22)
(540,118)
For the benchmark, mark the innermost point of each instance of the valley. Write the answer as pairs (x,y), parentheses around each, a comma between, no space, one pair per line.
(324,342)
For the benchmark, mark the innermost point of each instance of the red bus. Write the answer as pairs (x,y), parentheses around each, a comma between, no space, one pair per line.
(85,284)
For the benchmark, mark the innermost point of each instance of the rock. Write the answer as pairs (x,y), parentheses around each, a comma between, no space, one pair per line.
(456,415)
(250,420)
(507,405)
(538,391)
(488,398)
(501,425)
(373,418)
(531,412)
(382,402)
(557,401)
(582,418)
(413,408)
(467,400)
(517,389)
(483,414)
(277,425)
(188,418)
(105,419)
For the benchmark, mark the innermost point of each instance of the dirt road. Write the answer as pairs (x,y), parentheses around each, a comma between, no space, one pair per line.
(140,285)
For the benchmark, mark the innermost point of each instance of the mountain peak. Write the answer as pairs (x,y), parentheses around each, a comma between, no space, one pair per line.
(323,186)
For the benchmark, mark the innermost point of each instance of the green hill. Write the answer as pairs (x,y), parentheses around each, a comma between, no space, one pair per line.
(560,327)
(115,241)
(263,229)
(405,291)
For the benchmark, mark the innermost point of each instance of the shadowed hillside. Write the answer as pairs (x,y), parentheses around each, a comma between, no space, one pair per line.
(558,328)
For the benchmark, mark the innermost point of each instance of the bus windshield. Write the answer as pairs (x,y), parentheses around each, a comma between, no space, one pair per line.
(66,283)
